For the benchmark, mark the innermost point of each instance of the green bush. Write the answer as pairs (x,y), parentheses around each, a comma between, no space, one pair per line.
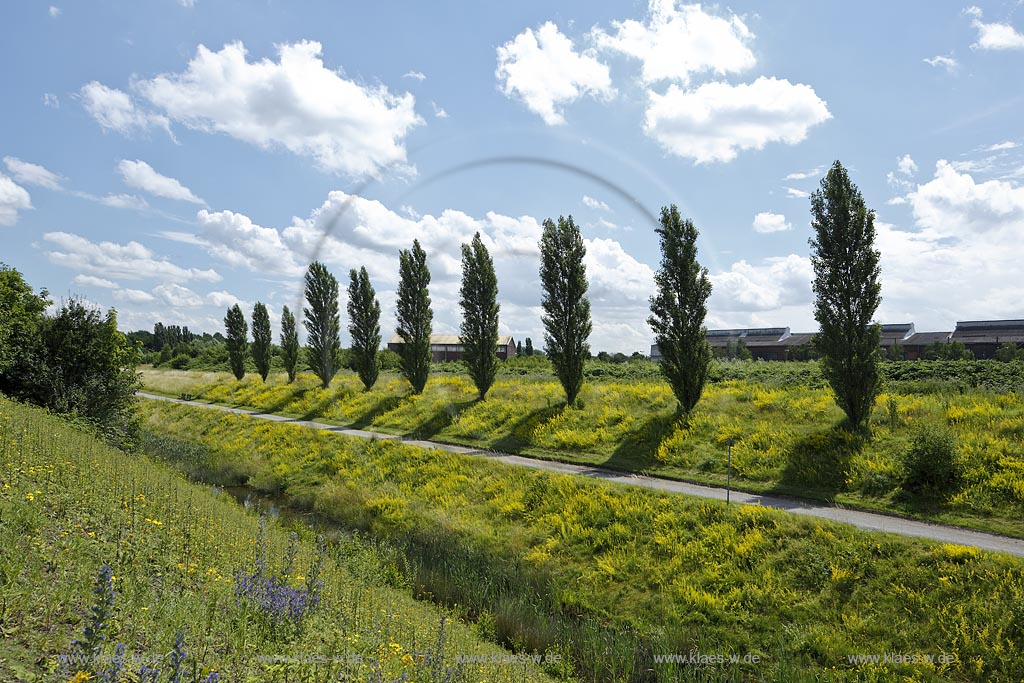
(929,463)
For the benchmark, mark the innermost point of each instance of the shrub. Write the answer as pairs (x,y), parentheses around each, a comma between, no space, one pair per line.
(929,462)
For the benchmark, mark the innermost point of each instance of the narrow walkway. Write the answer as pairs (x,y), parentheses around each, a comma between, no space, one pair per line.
(870,521)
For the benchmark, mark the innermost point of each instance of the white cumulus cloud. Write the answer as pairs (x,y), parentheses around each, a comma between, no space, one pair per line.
(131,261)
(594,203)
(767,222)
(717,120)
(994,36)
(674,43)
(13,198)
(140,175)
(115,110)
(296,103)
(543,69)
(32,174)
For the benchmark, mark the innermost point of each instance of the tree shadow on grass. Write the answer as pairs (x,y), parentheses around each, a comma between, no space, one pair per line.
(285,401)
(332,397)
(638,448)
(429,428)
(820,460)
(521,433)
(385,405)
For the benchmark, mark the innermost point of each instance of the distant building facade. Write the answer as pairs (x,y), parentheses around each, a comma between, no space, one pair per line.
(981,337)
(449,347)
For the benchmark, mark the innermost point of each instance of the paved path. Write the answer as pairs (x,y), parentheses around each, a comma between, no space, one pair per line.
(870,521)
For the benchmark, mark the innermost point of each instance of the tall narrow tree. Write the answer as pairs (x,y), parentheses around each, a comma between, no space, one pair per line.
(479,302)
(323,323)
(262,338)
(237,340)
(414,315)
(289,343)
(678,310)
(847,289)
(566,319)
(364,326)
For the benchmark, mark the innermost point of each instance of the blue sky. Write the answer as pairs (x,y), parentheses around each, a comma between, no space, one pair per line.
(169,158)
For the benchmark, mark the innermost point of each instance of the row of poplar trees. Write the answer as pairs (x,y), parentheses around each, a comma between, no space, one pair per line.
(846,287)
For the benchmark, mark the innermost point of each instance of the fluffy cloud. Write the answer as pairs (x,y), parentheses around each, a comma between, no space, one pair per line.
(948,63)
(718,120)
(994,36)
(131,261)
(115,110)
(673,44)
(594,203)
(13,198)
(438,111)
(54,11)
(50,100)
(767,222)
(543,69)
(133,296)
(140,175)
(92,281)
(225,300)
(906,168)
(794,193)
(775,283)
(32,174)
(962,258)
(296,103)
(952,204)
(236,240)
(176,296)
(416,75)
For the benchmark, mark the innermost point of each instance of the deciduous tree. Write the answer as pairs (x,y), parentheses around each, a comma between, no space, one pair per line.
(566,319)
(364,326)
(289,343)
(847,289)
(478,298)
(678,310)
(414,315)
(262,338)
(237,331)
(323,323)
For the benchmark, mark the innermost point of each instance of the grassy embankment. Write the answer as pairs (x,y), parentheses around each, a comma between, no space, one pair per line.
(783,423)
(617,575)
(176,550)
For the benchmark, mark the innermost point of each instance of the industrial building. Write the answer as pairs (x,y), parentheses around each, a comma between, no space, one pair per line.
(981,337)
(448,347)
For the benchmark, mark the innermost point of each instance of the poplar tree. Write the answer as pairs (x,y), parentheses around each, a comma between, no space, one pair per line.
(566,319)
(262,338)
(678,310)
(364,326)
(289,343)
(323,323)
(414,316)
(847,289)
(236,332)
(479,303)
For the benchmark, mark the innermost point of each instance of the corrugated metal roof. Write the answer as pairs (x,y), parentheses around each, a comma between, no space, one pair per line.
(925,338)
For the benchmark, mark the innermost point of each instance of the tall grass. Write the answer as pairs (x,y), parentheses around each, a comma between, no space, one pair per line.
(77,516)
(545,562)
(786,437)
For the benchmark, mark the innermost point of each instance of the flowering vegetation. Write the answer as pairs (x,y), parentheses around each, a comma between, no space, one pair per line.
(556,563)
(785,432)
(142,568)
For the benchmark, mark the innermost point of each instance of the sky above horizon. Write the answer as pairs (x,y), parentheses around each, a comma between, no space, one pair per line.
(174,157)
